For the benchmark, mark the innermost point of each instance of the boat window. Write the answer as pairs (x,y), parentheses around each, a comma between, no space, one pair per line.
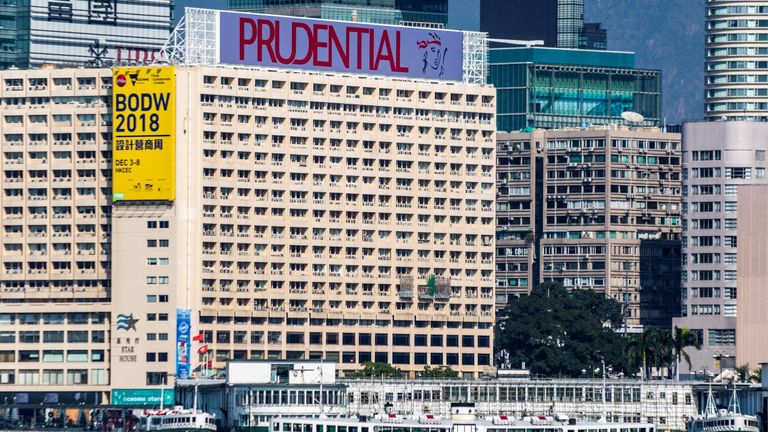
(318,428)
(307,428)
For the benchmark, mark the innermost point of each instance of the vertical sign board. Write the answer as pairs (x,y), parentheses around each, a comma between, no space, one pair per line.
(143,133)
(182,343)
(345,47)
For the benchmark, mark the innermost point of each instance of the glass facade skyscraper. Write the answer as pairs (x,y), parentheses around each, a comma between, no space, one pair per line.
(82,32)
(554,88)
(14,33)
(570,19)
(736,66)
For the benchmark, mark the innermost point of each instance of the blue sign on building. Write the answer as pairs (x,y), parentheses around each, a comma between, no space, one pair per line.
(182,342)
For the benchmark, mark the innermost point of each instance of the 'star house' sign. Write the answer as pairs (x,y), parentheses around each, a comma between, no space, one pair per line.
(345,47)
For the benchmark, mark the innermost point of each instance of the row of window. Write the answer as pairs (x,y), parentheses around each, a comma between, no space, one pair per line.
(710,241)
(211,81)
(54,377)
(350,339)
(333,324)
(51,336)
(356,358)
(53,318)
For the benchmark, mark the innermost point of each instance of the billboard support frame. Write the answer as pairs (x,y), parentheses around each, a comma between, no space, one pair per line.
(194,41)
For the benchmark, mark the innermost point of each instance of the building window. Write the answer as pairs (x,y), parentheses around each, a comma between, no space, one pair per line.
(156,378)
(721,337)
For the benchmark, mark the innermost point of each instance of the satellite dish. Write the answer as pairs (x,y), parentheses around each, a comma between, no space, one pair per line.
(632,117)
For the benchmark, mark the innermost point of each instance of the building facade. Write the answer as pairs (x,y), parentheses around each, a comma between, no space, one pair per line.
(751,343)
(553,88)
(592,209)
(718,158)
(82,32)
(343,217)
(593,37)
(736,72)
(56,289)
(327,217)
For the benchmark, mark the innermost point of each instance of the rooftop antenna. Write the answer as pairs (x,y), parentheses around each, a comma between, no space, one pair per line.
(632,117)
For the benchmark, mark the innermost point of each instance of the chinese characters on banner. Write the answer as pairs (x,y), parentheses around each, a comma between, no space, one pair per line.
(99,11)
(144,133)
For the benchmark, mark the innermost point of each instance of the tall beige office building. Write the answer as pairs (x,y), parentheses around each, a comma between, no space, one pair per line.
(720,158)
(595,208)
(54,307)
(311,212)
(348,218)
(752,320)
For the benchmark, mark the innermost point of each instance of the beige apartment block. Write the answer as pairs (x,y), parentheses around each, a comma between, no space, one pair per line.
(55,259)
(311,212)
(719,159)
(348,218)
(752,320)
(596,208)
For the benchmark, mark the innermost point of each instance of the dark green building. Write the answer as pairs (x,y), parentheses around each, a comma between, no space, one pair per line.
(552,88)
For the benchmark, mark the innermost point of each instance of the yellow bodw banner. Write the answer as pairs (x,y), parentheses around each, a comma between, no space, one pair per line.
(143,133)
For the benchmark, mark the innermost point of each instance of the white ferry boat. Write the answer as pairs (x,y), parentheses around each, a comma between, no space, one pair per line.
(177,419)
(460,423)
(730,420)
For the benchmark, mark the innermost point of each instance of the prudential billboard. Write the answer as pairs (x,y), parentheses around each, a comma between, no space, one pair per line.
(344,47)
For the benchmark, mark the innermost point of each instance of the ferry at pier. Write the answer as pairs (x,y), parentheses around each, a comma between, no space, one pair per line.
(431,423)
(723,420)
(177,419)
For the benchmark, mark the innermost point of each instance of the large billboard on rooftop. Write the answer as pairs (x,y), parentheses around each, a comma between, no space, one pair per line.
(342,47)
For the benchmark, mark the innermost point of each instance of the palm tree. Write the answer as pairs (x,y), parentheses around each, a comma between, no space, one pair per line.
(644,348)
(682,339)
(743,372)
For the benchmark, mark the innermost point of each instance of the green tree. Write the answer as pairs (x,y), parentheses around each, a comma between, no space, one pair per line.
(651,348)
(560,333)
(682,339)
(378,370)
(438,372)
(743,372)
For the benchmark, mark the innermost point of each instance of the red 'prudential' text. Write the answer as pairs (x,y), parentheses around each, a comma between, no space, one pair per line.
(357,47)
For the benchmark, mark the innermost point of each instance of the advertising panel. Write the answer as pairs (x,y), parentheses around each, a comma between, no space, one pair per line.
(182,343)
(136,397)
(345,47)
(143,133)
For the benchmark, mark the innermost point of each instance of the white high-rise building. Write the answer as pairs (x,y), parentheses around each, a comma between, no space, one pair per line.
(737,60)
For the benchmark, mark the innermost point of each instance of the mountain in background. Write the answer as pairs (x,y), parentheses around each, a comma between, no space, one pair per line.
(666,35)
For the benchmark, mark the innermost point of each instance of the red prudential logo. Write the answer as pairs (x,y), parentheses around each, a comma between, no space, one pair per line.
(121,80)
